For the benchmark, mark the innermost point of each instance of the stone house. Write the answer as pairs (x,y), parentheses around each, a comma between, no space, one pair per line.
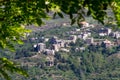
(83,24)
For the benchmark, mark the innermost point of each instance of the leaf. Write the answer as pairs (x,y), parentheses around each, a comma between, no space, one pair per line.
(47,9)
(60,14)
(71,16)
(9,66)
(39,21)
(54,15)
(73,21)
(20,41)
(5,75)
(88,13)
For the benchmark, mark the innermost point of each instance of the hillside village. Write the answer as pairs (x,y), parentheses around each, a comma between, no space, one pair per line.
(66,52)
(84,33)
(60,40)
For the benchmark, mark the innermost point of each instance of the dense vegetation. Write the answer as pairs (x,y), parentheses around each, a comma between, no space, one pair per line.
(15,14)
(93,63)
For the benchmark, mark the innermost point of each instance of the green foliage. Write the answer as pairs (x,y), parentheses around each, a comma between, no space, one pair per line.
(115,5)
(8,66)
(95,63)
(14,14)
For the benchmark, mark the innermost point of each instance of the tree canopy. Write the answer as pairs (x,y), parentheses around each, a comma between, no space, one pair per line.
(15,14)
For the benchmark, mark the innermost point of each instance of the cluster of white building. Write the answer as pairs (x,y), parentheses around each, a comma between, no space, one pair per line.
(63,45)
(109,32)
(56,45)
